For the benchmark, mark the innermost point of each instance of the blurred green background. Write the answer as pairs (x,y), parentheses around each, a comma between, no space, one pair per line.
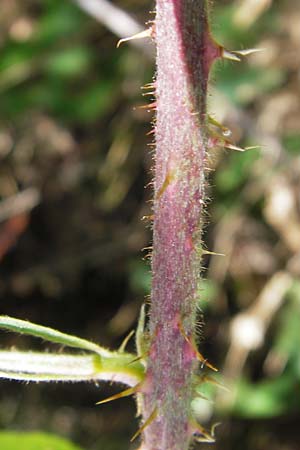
(75,170)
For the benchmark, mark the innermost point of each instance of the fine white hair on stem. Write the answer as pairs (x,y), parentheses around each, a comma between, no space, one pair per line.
(40,367)
(49,367)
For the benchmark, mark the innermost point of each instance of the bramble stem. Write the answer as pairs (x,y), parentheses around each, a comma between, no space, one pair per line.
(185,52)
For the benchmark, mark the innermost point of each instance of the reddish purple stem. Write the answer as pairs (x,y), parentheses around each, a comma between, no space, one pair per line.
(185,53)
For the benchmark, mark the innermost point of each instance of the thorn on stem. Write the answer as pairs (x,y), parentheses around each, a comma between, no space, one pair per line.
(225,131)
(239,149)
(141,35)
(234,55)
(207,252)
(208,379)
(167,181)
(202,435)
(125,341)
(131,391)
(149,86)
(138,358)
(149,106)
(150,132)
(148,219)
(150,419)
(200,357)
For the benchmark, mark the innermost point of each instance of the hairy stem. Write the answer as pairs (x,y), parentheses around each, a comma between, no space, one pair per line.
(184,55)
(47,367)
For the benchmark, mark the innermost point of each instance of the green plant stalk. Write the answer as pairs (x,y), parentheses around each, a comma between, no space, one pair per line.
(185,53)
(49,334)
(47,367)
(102,365)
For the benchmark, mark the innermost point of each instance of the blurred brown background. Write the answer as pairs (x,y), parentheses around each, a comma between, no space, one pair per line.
(75,162)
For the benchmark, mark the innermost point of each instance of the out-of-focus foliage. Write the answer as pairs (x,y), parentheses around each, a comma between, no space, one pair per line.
(73,143)
(256,211)
(255,221)
(34,441)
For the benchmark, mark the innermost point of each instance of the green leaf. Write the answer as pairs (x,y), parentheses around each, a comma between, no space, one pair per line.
(34,441)
(291,142)
(95,100)
(269,398)
(207,291)
(140,277)
(244,85)
(287,338)
(69,63)
(236,171)
(226,31)
(60,20)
